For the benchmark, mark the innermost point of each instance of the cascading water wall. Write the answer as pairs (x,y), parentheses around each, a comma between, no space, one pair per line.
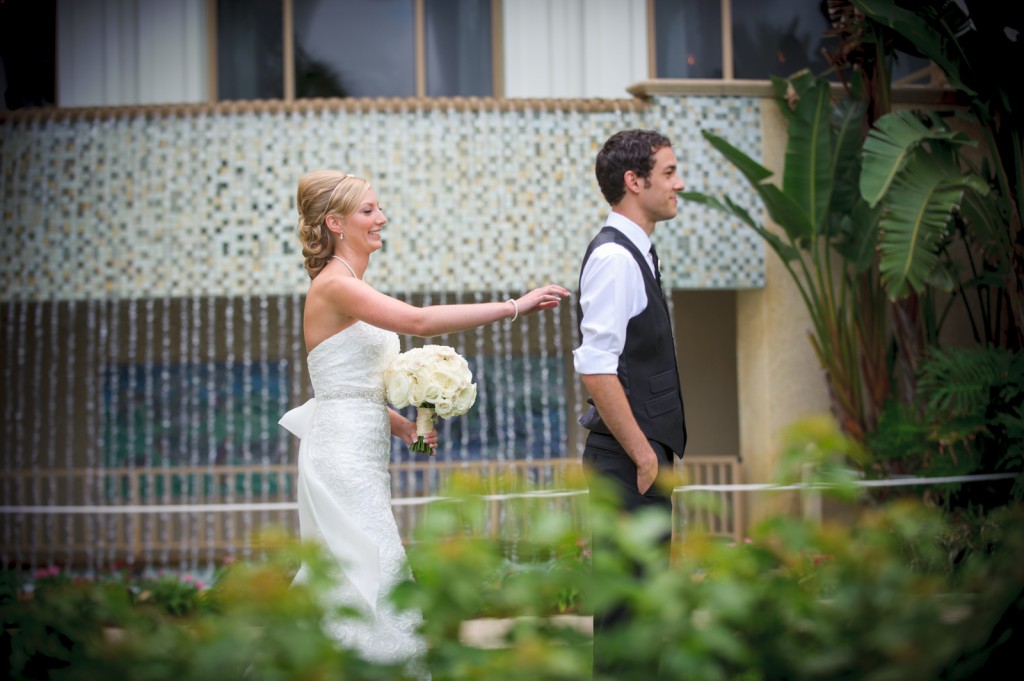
(152,288)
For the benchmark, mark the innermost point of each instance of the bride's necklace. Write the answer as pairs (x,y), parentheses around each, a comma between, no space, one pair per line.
(348,266)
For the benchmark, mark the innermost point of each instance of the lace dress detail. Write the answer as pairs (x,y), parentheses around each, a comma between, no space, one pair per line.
(344,492)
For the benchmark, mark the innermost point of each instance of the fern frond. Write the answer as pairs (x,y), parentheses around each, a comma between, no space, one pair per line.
(964,382)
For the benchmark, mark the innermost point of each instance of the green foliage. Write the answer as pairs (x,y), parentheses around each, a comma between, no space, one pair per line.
(874,204)
(969,40)
(912,168)
(257,625)
(462,576)
(817,454)
(878,598)
(969,419)
(828,239)
(171,594)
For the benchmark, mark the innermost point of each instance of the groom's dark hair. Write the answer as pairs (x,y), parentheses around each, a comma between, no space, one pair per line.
(626,150)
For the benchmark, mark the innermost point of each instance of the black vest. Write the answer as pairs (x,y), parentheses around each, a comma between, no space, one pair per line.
(647,365)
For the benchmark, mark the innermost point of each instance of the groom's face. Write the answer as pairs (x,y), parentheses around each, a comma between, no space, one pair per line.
(658,191)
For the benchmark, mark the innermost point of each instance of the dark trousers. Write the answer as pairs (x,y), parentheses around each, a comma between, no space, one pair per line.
(606,461)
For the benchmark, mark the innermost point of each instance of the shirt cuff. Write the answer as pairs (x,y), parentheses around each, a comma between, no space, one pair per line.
(593,361)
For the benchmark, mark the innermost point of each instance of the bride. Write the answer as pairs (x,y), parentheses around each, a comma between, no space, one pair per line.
(350,329)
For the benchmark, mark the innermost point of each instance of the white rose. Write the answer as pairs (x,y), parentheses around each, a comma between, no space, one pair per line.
(432,374)
(417,393)
(397,384)
(443,408)
(464,399)
(464,375)
(461,362)
(441,352)
(445,380)
(432,393)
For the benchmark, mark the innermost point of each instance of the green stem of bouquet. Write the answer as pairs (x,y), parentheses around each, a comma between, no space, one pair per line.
(420,445)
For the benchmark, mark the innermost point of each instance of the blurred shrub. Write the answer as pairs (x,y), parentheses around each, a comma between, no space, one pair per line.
(875,599)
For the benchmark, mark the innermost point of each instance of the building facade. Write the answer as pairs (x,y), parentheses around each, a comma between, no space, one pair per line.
(151,283)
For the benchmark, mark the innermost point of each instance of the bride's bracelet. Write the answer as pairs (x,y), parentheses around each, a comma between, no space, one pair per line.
(514,307)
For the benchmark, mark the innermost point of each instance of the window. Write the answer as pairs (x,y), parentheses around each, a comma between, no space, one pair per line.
(746,39)
(777,38)
(688,41)
(249,49)
(28,31)
(459,57)
(354,48)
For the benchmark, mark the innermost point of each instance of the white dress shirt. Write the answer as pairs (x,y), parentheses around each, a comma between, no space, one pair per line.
(612,292)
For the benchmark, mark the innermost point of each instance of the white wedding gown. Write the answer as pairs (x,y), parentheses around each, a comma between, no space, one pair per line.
(344,492)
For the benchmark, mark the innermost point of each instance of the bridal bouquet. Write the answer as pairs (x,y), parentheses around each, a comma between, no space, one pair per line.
(436,380)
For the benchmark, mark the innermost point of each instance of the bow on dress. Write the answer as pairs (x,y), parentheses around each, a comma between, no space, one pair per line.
(323,517)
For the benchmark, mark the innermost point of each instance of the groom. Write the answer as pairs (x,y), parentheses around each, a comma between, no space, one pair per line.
(626,355)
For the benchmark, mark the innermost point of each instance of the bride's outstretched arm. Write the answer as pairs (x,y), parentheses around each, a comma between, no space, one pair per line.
(357,299)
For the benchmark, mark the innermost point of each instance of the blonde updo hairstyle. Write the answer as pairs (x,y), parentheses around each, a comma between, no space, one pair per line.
(322,193)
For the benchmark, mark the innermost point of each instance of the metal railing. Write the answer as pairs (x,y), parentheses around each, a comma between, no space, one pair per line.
(193,516)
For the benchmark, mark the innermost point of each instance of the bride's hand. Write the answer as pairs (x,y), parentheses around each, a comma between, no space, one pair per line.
(407,431)
(543,298)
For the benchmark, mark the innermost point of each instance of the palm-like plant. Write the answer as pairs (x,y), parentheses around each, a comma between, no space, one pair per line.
(910,165)
(865,217)
(821,215)
(970,47)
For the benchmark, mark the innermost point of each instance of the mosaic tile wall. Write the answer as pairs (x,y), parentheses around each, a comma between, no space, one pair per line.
(479,198)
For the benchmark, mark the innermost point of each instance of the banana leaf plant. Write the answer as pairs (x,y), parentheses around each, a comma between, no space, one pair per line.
(971,41)
(843,200)
(826,242)
(911,166)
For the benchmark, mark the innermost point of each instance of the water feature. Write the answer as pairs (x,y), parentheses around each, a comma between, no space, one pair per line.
(148,403)
(151,295)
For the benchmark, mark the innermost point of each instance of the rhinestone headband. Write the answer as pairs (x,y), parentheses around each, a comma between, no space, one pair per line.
(336,187)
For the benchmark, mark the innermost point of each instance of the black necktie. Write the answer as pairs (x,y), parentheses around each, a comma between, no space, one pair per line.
(657,267)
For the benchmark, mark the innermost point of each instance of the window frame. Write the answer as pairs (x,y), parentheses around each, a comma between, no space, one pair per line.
(928,76)
(419,49)
(728,73)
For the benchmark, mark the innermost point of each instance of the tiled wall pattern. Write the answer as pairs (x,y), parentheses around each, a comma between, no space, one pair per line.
(480,198)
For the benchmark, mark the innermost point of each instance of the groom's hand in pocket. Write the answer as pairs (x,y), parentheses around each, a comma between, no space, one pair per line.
(646,470)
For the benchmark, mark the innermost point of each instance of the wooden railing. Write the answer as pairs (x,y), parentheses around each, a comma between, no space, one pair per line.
(197,515)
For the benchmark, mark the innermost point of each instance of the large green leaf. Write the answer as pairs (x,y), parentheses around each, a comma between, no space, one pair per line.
(985,217)
(751,169)
(859,235)
(786,213)
(935,36)
(918,214)
(891,143)
(847,121)
(789,91)
(783,210)
(807,179)
(785,251)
